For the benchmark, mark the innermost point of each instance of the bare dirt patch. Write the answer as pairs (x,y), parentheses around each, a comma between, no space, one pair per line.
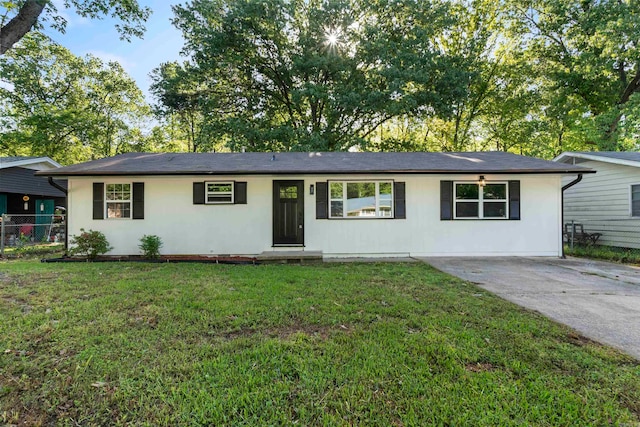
(480,367)
(579,340)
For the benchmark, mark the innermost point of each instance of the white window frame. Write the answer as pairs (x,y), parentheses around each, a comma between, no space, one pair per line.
(107,201)
(631,200)
(480,200)
(224,193)
(377,199)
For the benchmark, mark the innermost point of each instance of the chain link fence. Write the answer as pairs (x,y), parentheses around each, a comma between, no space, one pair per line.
(622,233)
(17,231)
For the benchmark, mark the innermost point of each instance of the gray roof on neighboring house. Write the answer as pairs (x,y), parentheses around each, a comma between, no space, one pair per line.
(11,161)
(495,162)
(622,155)
(627,158)
(23,181)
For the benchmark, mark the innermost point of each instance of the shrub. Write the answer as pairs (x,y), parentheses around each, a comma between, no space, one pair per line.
(90,243)
(150,246)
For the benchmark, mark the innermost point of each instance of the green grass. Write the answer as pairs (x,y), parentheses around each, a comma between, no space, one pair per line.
(329,344)
(34,250)
(608,253)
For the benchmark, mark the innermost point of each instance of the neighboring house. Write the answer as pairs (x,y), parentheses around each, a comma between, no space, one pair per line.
(23,193)
(607,202)
(343,204)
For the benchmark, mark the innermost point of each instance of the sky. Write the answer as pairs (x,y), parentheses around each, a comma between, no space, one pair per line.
(161,43)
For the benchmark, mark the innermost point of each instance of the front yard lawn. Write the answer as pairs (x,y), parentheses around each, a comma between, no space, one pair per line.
(328,344)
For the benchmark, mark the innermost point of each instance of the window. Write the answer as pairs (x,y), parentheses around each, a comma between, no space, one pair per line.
(480,202)
(288,192)
(118,200)
(635,200)
(363,199)
(219,192)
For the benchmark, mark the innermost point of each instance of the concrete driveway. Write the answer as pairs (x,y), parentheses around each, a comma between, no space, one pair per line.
(601,300)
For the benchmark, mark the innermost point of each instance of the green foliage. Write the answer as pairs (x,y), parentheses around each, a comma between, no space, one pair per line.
(66,107)
(150,246)
(21,242)
(90,243)
(609,253)
(182,104)
(329,344)
(536,78)
(35,250)
(286,75)
(130,14)
(584,57)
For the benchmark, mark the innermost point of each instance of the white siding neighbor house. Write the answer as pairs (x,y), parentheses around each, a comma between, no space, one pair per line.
(339,204)
(607,202)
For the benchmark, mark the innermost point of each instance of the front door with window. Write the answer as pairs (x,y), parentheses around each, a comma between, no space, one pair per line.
(288,213)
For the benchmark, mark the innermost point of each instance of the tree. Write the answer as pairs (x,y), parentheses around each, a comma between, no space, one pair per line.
(185,104)
(28,12)
(56,104)
(475,39)
(317,75)
(588,52)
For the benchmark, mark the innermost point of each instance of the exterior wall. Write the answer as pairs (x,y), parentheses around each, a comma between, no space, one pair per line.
(186,228)
(602,203)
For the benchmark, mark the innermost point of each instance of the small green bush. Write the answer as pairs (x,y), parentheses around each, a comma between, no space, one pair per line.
(150,246)
(90,243)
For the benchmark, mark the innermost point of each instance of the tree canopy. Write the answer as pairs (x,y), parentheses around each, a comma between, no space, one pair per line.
(312,75)
(53,103)
(533,77)
(20,16)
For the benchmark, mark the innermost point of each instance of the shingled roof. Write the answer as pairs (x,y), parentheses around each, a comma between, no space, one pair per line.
(23,181)
(627,158)
(26,161)
(494,162)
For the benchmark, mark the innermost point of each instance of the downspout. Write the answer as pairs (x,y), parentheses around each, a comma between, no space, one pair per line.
(566,187)
(66,223)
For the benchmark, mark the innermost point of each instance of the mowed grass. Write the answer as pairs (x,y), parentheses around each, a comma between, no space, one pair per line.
(329,344)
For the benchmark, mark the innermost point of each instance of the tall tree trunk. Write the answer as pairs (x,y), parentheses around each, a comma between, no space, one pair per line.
(21,24)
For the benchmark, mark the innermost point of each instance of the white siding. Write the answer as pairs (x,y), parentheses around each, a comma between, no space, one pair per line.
(601,202)
(186,228)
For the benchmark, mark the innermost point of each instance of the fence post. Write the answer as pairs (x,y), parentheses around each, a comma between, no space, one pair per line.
(3,220)
(573,230)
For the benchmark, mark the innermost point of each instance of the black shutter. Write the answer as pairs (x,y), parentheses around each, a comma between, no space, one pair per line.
(399,204)
(446,200)
(198,193)
(98,200)
(138,200)
(240,193)
(322,200)
(514,199)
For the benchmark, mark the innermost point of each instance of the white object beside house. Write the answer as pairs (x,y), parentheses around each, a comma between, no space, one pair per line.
(343,204)
(607,202)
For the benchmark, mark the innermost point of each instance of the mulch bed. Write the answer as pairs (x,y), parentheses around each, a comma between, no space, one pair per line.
(162,258)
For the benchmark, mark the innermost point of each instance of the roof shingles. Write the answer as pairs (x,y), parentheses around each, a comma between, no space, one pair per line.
(312,163)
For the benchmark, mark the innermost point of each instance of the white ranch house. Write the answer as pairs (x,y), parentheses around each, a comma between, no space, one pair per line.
(340,204)
(607,202)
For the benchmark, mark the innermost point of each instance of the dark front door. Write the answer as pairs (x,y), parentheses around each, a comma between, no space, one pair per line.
(288,212)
